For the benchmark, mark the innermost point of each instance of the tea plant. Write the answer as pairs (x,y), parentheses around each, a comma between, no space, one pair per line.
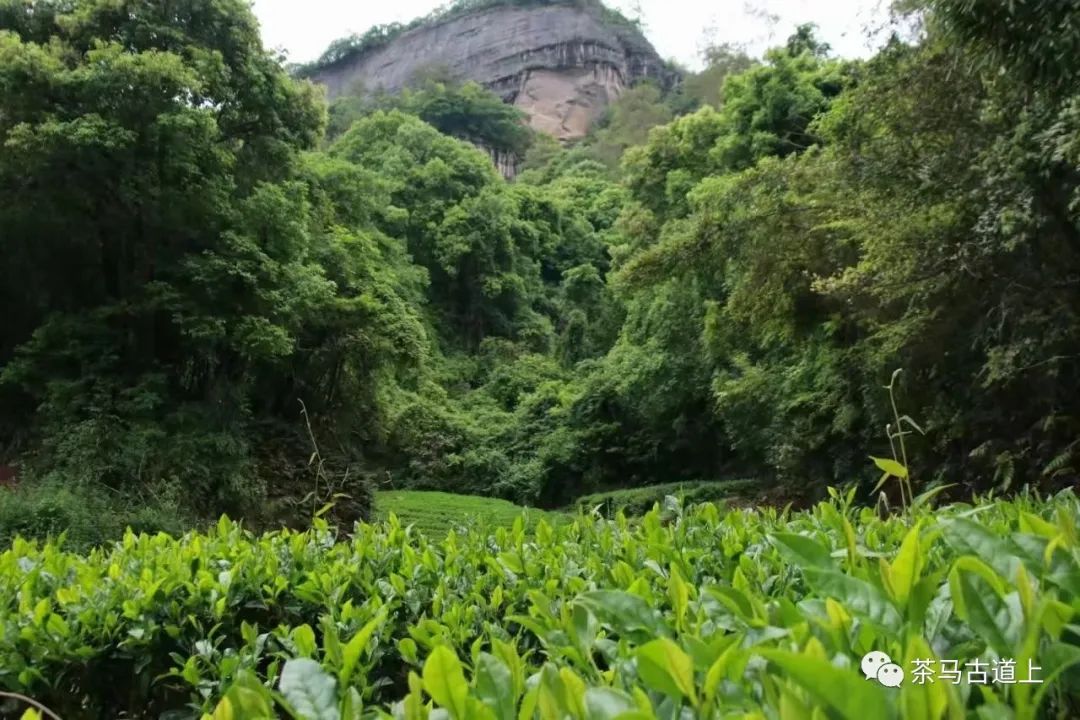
(695,613)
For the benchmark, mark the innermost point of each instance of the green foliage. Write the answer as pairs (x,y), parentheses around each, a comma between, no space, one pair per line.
(166,251)
(706,87)
(1038,39)
(87,515)
(680,298)
(699,614)
(639,501)
(767,111)
(967,223)
(466,111)
(770,108)
(627,123)
(461,223)
(805,275)
(437,513)
(184,272)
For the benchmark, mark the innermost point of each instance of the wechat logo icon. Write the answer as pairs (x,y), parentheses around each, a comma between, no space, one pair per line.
(879,666)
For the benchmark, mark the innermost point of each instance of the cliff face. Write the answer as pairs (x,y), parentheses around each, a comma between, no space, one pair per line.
(562,65)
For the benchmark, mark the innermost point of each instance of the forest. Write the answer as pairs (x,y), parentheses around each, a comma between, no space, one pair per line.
(209,274)
(307,412)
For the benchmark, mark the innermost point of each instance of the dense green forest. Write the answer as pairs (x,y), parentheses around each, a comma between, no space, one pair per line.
(221,296)
(784,359)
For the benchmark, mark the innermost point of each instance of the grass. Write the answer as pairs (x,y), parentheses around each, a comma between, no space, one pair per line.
(437,513)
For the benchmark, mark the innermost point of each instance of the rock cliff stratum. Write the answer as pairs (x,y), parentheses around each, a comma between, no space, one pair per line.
(561,64)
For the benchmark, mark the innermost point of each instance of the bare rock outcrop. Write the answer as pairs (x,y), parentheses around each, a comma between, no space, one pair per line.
(561,64)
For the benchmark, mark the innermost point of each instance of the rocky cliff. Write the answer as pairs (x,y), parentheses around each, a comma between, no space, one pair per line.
(561,64)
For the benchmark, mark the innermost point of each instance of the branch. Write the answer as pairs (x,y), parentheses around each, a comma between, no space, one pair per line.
(31,702)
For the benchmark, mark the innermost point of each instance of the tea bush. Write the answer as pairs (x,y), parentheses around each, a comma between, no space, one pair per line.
(437,513)
(749,614)
(638,501)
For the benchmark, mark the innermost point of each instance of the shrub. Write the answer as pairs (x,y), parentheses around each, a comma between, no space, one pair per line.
(87,515)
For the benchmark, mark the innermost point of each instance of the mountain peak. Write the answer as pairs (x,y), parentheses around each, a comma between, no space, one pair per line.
(561,62)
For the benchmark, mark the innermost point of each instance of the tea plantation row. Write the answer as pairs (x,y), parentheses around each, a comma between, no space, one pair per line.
(689,613)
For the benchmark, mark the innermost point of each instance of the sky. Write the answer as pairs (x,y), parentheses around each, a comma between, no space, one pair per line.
(679,29)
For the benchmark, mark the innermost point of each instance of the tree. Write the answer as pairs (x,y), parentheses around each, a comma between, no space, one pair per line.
(466,111)
(162,256)
(706,87)
(628,122)
(1037,41)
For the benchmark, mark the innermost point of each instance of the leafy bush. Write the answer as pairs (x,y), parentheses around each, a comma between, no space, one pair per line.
(705,615)
(87,515)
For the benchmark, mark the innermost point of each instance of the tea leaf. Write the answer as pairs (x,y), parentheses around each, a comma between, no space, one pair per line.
(664,666)
(907,566)
(603,703)
(494,686)
(355,646)
(444,681)
(623,611)
(309,689)
(803,551)
(304,638)
(858,596)
(851,696)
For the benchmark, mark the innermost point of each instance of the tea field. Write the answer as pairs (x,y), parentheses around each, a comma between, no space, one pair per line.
(691,613)
(437,513)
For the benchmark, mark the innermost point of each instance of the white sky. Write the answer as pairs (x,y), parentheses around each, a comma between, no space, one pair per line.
(678,29)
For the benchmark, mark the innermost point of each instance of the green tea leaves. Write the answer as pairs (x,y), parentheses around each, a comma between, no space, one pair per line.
(747,614)
(664,666)
(304,639)
(603,703)
(803,552)
(848,694)
(355,646)
(859,596)
(907,566)
(310,690)
(624,612)
(444,681)
(979,600)
(495,686)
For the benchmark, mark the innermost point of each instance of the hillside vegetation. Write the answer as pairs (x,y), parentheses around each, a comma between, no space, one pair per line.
(277,379)
(437,513)
(201,288)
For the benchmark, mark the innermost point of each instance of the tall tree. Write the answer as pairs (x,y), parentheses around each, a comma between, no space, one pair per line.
(160,250)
